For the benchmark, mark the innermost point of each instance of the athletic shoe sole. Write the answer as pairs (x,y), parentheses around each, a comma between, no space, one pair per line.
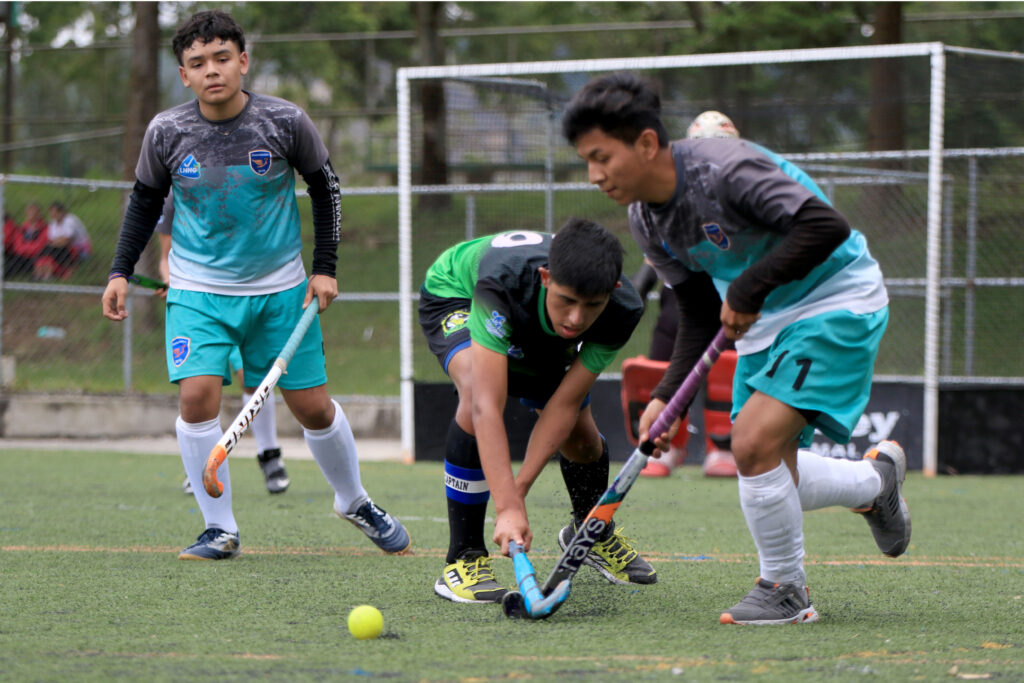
(442,590)
(806,616)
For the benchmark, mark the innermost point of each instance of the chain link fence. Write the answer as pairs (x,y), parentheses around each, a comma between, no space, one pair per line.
(54,338)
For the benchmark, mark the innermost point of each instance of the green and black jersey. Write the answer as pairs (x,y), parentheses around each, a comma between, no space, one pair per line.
(499,274)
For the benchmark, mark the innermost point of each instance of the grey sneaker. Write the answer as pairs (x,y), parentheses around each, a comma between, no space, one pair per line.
(770,604)
(385,531)
(613,556)
(213,544)
(273,470)
(888,515)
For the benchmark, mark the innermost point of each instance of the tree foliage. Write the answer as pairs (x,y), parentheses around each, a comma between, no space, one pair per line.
(348,84)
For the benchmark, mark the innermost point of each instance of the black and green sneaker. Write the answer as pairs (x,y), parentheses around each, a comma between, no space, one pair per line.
(613,556)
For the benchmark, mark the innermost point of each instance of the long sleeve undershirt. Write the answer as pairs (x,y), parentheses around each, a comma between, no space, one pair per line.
(817,229)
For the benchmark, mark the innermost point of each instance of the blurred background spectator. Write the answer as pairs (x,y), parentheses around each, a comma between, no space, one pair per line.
(24,243)
(67,243)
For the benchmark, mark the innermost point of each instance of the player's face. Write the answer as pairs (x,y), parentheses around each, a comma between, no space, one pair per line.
(214,71)
(571,314)
(619,169)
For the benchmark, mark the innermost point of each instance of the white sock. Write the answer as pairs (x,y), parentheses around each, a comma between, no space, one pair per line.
(834,481)
(264,425)
(195,441)
(771,506)
(335,451)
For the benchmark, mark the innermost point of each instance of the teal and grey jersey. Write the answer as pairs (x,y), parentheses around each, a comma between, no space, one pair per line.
(499,273)
(236,223)
(734,202)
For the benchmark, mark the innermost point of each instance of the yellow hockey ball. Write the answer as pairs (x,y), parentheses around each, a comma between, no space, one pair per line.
(365,622)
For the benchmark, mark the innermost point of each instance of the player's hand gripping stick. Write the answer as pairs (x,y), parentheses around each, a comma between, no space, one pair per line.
(266,388)
(528,601)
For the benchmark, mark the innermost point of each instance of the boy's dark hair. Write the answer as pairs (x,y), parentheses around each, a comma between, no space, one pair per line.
(206,26)
(621,104)
(586,258)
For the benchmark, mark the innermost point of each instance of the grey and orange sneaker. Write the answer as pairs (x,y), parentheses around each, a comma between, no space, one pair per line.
(772,604)
(888,515)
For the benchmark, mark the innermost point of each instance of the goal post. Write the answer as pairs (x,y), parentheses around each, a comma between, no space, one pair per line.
(560,79)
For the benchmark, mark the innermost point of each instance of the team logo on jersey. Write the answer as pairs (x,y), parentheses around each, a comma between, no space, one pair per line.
(180,347)
(454,321)
(515,352)
(496,324)
(189,168)
(716,235)
(259,161)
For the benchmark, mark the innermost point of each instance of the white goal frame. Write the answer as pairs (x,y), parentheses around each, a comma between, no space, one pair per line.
(935,51)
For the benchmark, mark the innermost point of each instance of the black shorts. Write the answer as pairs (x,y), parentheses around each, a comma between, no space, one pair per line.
(445,323)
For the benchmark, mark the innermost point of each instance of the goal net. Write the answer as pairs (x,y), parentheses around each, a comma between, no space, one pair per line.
(918,145)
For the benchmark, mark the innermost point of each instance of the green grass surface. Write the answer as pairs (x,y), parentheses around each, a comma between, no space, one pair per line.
(91,589)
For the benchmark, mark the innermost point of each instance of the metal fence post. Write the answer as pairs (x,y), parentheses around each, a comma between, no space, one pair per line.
(549,175)
(936,119)
(470,216)
(3,186)
(947,272)
(971,266)
(126,347)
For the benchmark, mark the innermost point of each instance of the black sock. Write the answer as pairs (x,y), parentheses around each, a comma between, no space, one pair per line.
(467,494)
(585,482)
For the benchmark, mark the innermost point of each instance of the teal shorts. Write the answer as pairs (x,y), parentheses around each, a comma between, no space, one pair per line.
(821,366)
(202,329)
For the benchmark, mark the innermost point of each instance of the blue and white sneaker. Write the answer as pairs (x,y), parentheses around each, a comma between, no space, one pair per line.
(213,544)
(384,530)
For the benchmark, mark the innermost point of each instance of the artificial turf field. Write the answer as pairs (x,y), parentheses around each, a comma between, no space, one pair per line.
(90,588)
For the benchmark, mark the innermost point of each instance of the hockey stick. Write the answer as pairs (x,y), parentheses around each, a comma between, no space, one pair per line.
(598,519)
(146,282)
(528,601)
(253,406)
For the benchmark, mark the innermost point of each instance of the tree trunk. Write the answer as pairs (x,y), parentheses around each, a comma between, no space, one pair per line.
(885,119)
(10,25)
(435,158)
(143,105)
